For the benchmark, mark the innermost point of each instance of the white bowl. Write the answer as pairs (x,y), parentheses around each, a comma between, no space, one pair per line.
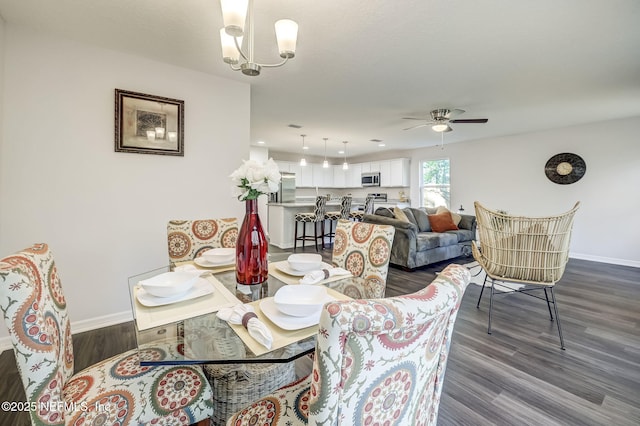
(169,284)
(305,261)
(220,255)
(300,300)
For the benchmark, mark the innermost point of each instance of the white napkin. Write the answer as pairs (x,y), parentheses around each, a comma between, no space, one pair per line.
(315,277)
(189,268)
(256,328)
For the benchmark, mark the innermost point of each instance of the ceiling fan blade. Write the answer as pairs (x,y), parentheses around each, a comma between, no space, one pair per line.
(454,113)
(470,120)
(415,127)
(413,118)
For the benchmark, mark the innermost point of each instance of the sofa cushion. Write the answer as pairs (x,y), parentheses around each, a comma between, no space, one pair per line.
(400,215)
(466,222)
(463,235)
(385,211)
(422,219)
(442,222)
(431,240)
(455,216)
(407,211)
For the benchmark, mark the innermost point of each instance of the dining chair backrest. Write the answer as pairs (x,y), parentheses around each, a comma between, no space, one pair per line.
(188,239)
(372,355)
(320,207)
(524,249)
(364,250)
(35,312)
(368,204)
(345,206)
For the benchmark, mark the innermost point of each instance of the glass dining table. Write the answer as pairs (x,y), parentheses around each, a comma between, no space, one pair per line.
(189,332)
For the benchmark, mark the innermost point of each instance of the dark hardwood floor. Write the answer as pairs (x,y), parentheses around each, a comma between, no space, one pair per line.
(516,376)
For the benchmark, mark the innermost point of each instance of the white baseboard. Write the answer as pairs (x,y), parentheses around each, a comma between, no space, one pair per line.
(611,260)
(82,326)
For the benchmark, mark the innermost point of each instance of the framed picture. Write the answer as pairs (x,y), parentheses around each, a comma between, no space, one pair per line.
(147,124)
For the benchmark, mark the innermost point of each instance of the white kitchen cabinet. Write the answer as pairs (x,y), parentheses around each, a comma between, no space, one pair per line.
(339,177)
(374,166)
(304,176)
(354,176)
(322,178)
(283,166)
(399,172)
(385,173)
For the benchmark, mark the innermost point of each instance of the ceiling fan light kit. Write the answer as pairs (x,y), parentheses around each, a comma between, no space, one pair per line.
(235,15)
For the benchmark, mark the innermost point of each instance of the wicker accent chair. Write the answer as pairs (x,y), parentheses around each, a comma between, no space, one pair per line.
(115,391)
(188,239)
(529,250)
(316,218)
(363,249)
(372,355)
(334,216)
(368,209)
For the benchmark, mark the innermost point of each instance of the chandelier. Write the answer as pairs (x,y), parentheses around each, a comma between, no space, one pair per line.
(237,13)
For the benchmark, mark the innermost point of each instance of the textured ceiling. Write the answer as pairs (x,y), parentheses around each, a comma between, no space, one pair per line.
(362,65)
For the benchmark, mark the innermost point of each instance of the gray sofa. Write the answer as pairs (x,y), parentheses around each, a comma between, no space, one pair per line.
(415,244)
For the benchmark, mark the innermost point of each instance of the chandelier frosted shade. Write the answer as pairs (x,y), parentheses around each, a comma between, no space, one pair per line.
(287,37)
(230,53)
(234,16)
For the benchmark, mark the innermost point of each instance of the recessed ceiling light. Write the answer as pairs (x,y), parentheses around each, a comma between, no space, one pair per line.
(381,145)
(376,140)
(261,142)
(341,152)
(295,126)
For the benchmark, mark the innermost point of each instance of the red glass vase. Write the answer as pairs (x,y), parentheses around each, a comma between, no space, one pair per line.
(252,266)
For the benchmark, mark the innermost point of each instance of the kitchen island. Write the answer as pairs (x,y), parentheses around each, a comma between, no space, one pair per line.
(281,222)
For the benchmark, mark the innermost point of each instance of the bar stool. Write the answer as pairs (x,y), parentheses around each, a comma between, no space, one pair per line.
(317,217)
(368,209)
(345,210)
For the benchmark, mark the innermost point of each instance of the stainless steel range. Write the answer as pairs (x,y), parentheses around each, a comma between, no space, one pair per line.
(380,196)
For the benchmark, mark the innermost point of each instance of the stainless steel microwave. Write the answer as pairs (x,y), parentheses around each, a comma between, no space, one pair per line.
(371,179)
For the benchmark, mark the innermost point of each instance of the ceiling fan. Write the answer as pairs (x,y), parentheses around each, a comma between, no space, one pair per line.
(441,117)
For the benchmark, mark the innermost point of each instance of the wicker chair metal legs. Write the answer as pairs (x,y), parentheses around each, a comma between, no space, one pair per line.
(550,302)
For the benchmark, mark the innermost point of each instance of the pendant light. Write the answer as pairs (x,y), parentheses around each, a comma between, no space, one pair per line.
(325,163)
(345,165)
(303,161)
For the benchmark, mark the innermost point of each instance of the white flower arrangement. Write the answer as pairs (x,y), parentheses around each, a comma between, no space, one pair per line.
(255,178)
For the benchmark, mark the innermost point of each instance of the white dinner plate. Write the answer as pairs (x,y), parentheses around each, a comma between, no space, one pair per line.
(200,288)
(204,263)
(287,269)
(287,322)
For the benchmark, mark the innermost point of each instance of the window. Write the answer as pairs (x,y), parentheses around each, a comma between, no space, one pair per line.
(435,187)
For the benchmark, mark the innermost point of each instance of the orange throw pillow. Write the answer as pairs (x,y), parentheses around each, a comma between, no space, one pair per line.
(442,222)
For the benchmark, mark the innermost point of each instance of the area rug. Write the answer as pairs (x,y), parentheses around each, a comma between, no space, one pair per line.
(478,275)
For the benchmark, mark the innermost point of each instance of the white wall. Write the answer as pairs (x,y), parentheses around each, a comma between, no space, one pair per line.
(104,213)
(508,173)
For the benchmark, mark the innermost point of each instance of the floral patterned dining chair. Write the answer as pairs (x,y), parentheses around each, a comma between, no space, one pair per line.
(233,385)
(364,250)
(114,391)
(188,239)
(377,361)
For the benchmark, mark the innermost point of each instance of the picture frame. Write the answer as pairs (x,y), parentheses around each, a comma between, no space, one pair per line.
(148,124)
